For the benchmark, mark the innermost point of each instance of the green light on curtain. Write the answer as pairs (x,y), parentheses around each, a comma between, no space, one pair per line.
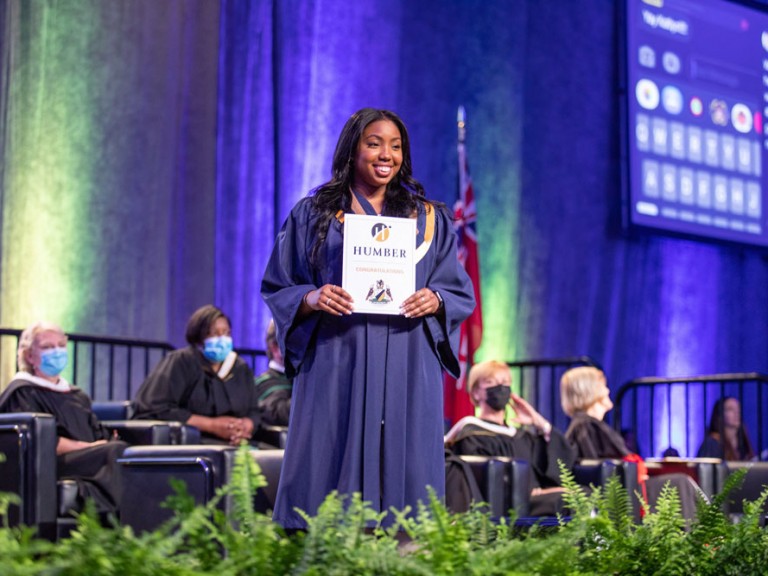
(47,255)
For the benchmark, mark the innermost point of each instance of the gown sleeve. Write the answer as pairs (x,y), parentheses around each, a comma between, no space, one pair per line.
(454,285)
(18,401)
(162,393)
(250,397)
(594,439)
(287,279)
(546,455)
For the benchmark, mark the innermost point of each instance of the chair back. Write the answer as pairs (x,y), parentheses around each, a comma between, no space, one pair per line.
(28,441)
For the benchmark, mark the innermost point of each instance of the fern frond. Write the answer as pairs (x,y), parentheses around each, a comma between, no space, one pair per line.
(574,497)
(617,506)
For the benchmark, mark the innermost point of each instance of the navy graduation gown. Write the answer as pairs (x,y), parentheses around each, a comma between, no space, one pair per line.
(366,411)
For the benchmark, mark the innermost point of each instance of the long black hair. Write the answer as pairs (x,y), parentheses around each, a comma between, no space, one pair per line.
(403,193)
(716,429)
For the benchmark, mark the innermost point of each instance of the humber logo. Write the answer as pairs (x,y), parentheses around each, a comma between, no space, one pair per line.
(380,232)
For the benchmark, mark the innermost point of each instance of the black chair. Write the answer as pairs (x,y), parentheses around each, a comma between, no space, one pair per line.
(153,432)
(755,482)
(272,435)
(147,471)
(270,462)
(505,483)
(117,414)
(28,441)
(597,472)
(113,409)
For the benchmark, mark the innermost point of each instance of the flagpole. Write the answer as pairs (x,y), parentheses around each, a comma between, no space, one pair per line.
(461,123)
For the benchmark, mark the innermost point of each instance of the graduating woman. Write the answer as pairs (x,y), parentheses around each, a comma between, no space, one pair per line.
(366,412)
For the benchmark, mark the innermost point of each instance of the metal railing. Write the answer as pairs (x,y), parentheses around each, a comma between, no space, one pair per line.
(539,383)
(675,412)
(109,368)
(254,357)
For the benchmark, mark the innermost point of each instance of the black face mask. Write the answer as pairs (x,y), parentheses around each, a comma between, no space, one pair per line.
(497,397)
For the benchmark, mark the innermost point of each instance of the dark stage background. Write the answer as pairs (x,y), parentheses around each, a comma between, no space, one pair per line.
(149,150)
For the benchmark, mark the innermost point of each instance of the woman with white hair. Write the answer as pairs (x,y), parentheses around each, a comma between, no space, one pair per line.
(585,397)
(86,451)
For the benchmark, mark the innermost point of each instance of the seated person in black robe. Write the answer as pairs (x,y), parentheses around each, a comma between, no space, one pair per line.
(273,387)
(205,385)
(726,437)
(585,397)
(532,439)
(85,450)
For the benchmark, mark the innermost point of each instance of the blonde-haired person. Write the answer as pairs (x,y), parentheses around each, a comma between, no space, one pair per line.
(527,436)
(585,397)
(85,450)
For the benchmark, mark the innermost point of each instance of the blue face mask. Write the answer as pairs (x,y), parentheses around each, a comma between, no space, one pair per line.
(217,348)
(53,361)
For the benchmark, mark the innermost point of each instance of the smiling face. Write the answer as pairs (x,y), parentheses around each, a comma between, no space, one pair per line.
(378,158)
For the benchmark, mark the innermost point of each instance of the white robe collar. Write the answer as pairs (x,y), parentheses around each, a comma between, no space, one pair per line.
(227,365)
(61,386)
(276,366)
(495,428)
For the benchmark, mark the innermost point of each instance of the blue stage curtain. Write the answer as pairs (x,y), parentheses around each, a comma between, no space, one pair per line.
(151,150)
(109,137)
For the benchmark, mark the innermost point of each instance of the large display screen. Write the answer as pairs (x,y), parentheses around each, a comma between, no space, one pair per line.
(696,107)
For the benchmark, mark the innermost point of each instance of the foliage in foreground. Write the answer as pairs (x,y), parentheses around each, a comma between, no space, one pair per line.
(348,537)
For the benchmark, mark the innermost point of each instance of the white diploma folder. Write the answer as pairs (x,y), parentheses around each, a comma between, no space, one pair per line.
(379,262)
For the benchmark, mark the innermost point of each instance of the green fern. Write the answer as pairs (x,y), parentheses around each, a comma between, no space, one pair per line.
(348,537)
(617,506)
(580,504)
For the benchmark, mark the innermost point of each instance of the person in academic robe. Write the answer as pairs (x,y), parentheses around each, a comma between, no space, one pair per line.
(86,452)
(726,437)
(525,436)
(585,397)
(366,409)
(273,387)
(206,384)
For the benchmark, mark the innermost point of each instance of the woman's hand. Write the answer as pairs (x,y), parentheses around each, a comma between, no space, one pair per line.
(219,426)
(328,298)
(229,428)
(242,430)
(526,415)
(420,303)
(64,445)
